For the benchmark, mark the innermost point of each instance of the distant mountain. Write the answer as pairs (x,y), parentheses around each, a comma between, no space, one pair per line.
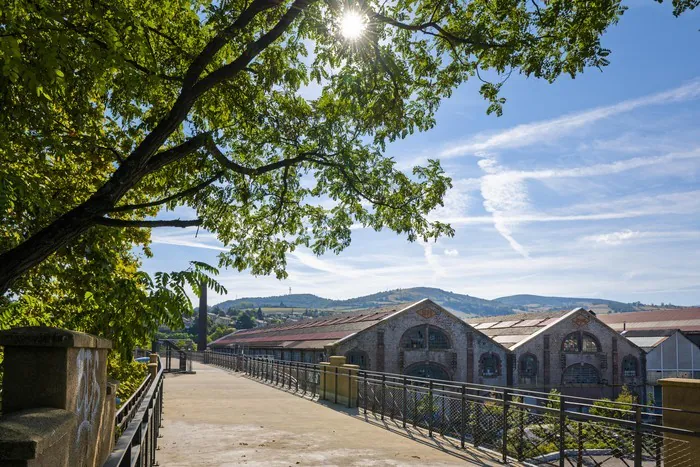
(540,303)
(467,304)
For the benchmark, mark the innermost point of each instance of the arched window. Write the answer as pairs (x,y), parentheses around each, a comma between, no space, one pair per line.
(427,370)
(528,366)
(581,373)
(629,367)
(490,365)
(415,338)
(357,357)
(578,342)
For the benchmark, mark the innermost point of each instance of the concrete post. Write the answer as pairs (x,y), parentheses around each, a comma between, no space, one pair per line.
(346,385)
(683,394)
(58,408)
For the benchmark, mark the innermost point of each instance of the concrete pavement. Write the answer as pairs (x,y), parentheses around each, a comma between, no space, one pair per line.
(218,418)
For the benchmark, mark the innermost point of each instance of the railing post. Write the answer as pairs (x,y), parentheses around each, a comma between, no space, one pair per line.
(383,395)
(289,384)
(404,404)
(335,388)
(297,378)
(504,441)
(442,413)
(430,408)
(638,436)
(364,397)
(349,388)
(462,417)
(562,431)
(323,379)
(415,407)
(476,428)
(306,378)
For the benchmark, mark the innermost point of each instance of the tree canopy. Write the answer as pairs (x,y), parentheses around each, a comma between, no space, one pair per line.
(114,112)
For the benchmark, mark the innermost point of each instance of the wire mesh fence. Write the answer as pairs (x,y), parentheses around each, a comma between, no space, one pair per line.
(548,429)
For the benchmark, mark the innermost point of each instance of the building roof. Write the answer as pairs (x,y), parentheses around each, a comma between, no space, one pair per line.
(685,319)
(511,330)
(308,333)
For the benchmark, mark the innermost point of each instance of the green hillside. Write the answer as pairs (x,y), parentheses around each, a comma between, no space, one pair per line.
(455,302)
(537,302)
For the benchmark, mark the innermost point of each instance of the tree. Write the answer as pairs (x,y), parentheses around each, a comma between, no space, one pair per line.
(259,314)
(114,112)
(245,321)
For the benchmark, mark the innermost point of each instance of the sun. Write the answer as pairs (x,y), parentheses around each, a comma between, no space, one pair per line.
(352,24)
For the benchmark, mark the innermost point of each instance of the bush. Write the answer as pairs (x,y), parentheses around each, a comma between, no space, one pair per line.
(130,375)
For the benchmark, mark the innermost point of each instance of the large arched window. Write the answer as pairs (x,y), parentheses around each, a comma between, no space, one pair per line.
(580,373)
(415,338)
(490,365)
(527,367)
(629,367)
(427,370)
(357,357)
(578,342)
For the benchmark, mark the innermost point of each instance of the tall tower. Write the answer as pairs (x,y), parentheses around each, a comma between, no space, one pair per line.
(202,337)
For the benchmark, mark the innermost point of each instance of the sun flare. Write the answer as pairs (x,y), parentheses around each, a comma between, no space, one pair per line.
(352,25)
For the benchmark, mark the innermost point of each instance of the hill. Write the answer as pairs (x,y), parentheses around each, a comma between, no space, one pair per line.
(540,303)
(466,304)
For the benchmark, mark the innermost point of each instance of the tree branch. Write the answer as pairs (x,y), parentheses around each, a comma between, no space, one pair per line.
(149,224)
(253,172)
(182,194)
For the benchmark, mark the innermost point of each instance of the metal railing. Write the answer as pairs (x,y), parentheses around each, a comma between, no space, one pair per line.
(128,409)
(532,427)
(136,446)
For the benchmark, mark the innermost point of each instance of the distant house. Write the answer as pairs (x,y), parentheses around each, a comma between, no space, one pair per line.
(670,354)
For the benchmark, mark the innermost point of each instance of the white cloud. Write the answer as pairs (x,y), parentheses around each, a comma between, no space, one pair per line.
(613,238)
(203,240)
(451,252)
(550,130)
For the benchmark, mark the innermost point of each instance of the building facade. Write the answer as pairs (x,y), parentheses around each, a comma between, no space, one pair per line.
(573,352)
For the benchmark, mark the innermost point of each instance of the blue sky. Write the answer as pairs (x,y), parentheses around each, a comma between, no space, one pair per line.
(586,187)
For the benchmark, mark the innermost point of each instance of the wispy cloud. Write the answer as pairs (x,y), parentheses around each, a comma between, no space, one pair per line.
(550,130)
(451,252)
(204,241)
(506,197)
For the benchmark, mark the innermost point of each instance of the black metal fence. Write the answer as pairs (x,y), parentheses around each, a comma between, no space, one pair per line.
(138,425)
(531,427)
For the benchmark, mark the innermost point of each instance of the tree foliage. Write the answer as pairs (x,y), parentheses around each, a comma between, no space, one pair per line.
(114,112)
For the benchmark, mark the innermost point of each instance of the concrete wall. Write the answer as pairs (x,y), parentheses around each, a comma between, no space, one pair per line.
(57,369)
(684,395)
(457,361)
(613,348)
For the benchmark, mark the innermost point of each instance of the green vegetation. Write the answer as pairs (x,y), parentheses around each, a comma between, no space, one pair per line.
(116,112)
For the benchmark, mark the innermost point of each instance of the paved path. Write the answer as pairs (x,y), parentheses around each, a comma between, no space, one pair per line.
(217,418)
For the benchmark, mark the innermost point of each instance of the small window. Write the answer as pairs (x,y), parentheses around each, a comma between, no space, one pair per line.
(414,338)
(570,343)
(629,367)
(528,366)
(578,342)
(489,365)
(357,357)
(437,340)
(588,344)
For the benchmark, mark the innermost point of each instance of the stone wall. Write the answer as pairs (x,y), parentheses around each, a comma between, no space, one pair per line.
(382,345)
(66,371)
(552,361)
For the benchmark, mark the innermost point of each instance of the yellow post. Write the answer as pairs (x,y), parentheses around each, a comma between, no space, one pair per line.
(683,394)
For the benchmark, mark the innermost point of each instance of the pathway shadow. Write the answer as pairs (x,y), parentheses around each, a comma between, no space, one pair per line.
(451,446)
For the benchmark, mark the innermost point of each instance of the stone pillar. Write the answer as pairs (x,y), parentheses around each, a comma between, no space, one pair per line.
(59,377)
(347,381)
(683,394)
(202,323)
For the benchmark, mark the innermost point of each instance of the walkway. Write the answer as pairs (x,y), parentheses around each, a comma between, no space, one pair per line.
(217,418)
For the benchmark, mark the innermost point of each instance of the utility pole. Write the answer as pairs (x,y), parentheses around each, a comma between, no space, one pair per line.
(202,337)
